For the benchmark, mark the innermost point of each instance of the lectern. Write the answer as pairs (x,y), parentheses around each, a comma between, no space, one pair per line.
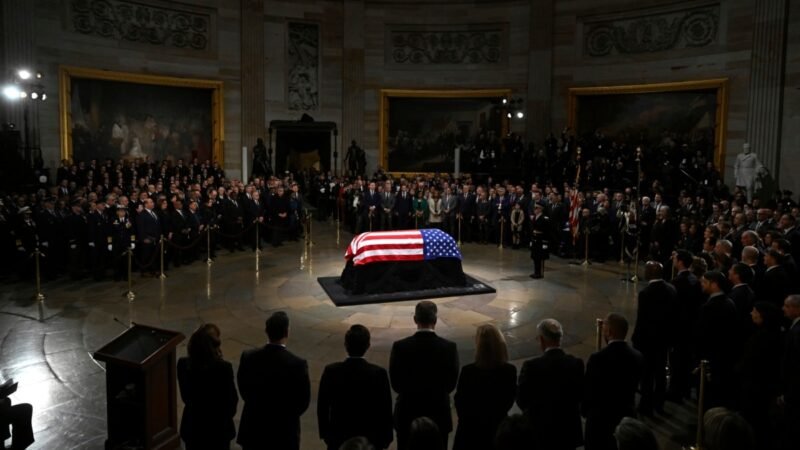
(141,394)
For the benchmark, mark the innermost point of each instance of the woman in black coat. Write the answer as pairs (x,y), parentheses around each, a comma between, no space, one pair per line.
(759,370)
(208,392)
(486,391)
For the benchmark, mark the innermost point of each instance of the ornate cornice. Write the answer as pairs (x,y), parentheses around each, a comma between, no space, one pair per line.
(447,45)
(144,22)
(639,32)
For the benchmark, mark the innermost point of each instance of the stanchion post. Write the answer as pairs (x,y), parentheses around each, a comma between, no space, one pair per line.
(39,296)
(586,261)
(622,247)
(208,246)
(701,396)
(502,223)
(459,230)
(258,241)
(163,275)
(130,295)
(599,334)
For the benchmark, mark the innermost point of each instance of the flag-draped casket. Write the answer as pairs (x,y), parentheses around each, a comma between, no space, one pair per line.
(404,260)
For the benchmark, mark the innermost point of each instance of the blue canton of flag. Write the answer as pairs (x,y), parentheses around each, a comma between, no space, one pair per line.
(438,244)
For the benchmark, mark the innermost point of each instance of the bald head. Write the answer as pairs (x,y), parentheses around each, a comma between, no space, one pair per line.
(653,270)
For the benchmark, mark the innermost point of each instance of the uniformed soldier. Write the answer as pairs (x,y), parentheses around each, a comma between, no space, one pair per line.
(99,240)
(122,238)
(76,229)
(541,231)
(27,240)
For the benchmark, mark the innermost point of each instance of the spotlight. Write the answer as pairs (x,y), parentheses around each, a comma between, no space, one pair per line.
(24,74)
(505,100)
(508,115)
(38,74)
(44,97)
(23,94)
(11,92)
(520,115)
(34,95)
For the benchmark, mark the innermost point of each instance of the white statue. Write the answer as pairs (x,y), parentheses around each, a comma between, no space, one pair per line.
(746,170)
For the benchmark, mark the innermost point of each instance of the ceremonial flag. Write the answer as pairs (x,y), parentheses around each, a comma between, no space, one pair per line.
(405,245)
(574,214)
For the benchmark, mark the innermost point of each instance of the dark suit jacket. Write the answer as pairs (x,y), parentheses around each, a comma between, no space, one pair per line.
(774,286)
(355,400)
(655,317)
(690,298)
(424,370)
(403,207)
(612,377)
(483,398)
(743,298)
(791,370)
(147,227)
(276,390)
(550,393)
(210,400)
(717,330)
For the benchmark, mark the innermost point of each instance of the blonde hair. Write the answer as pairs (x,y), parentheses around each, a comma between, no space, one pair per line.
(490,347)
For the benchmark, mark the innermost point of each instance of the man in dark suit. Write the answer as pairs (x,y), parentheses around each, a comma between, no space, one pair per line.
(690,298)
(655,320)
(276,390)
(541,233)
(423,369)
(612,377)
(402,208)
(233,220)
(369,210)
(717,329)
(551,390)
(774,286)
(465,210)
(148,231)
(354,397)
(743,297)
(791,372)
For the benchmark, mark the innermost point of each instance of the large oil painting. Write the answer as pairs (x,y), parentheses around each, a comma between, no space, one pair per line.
(131,116)
(655,115)
(421,129)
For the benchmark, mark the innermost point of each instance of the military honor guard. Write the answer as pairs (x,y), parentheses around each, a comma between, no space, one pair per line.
(541,229)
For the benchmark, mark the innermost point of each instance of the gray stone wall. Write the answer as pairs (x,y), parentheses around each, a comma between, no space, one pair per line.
(726,56)
(56,41)
(790,142)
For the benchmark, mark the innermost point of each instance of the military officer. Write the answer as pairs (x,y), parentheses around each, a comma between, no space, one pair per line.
(122,238)
(540,238)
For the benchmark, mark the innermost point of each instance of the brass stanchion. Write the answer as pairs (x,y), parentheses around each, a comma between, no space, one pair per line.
(163,275)
(370,221)
(459,230)
(701,395)
(622,247)
(599,334)
(39,296)
(310,241)
(416,221)
(258,241)
(208,246)
(130,295)
(502,223)
(586,261)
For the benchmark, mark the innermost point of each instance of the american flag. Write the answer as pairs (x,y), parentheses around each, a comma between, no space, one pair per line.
(405,245)
(574,214)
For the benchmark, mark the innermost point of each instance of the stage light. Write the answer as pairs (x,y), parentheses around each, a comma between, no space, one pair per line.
(34,95)
(520,115)
(508,115)
(23,94)
(505,100)
(38,74)
(24,74)
(11,92)
(44,97)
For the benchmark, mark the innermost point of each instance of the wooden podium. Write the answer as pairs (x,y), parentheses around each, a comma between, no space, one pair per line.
(141,394)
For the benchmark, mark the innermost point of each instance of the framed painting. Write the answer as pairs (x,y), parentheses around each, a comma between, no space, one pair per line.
(688,111)
(420,129)
(118,115)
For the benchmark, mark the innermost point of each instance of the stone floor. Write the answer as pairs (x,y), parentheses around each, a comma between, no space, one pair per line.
(47,347)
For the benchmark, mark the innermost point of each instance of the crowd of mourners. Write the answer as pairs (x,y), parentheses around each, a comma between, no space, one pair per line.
(722,286)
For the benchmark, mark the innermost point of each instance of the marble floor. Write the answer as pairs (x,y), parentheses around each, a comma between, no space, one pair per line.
(47,346)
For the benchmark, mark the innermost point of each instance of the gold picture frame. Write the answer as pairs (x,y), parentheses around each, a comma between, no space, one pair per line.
(387,94)
(67,73)
(719,84)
